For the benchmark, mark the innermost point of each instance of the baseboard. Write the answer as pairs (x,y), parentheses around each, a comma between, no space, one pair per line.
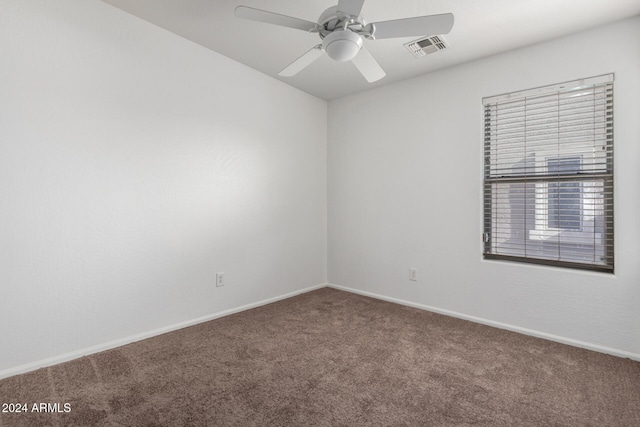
(525,331)
(139,337)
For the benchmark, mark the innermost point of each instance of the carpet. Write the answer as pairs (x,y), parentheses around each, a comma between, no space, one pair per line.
(332,358)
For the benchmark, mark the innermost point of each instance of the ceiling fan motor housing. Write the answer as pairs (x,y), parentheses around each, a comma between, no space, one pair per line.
(342,45)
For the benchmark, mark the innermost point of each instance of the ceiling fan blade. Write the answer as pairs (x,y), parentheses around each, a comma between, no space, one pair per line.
(414,27)
(368,66)
(350,7)
(273,18)
(304,61)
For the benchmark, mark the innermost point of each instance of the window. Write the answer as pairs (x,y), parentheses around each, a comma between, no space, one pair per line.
(548,175)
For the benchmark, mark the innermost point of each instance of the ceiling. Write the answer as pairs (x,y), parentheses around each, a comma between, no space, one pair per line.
(481,28)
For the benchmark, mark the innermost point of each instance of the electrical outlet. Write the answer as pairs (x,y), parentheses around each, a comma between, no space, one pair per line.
(413,274)
(219,279)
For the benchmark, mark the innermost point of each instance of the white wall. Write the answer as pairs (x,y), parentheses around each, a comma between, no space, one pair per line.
(405,190)
(134,165)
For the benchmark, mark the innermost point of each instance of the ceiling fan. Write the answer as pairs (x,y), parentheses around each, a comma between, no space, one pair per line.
(343,30)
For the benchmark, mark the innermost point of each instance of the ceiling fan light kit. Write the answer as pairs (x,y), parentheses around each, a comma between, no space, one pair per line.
(342,45)
(343,30)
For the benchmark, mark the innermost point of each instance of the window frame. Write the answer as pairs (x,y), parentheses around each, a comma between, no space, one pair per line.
(603,242)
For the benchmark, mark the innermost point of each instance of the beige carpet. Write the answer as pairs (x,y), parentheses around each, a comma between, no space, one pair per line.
(331,358)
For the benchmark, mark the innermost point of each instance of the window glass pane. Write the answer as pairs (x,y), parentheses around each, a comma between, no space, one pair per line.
(565,198)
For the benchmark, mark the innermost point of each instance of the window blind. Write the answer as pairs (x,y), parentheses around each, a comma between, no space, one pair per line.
(548,175)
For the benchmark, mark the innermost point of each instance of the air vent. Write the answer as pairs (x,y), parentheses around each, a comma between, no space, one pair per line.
(427,45)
